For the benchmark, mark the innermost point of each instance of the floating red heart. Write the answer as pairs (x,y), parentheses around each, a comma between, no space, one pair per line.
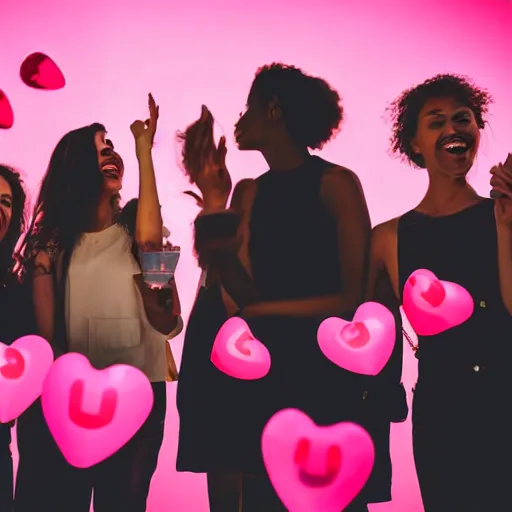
(40,72)
(6,113)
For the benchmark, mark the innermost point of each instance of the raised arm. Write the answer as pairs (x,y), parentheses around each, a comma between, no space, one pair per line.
(218,229)
(148,227)
(343,197)
(218,239)
(501,182)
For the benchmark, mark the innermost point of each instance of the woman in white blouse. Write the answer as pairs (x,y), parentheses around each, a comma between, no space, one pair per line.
(89,297)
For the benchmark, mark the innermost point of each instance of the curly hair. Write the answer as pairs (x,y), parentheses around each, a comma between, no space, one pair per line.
(406,108)
(312,109)
(18,218)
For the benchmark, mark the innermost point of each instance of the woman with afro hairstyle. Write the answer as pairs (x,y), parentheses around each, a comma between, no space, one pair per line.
(290,250)
(461,432)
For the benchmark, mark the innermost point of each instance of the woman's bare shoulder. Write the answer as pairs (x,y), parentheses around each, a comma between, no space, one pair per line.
(384,238)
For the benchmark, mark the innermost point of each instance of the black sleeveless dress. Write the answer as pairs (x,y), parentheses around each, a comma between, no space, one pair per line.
(294,254)
(461,425)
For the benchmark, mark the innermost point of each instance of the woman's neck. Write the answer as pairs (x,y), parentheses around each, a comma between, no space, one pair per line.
(444,197)
(285,157)
(105,215)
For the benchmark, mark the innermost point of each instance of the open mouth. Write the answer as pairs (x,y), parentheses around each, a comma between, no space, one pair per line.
(456,145)
(111,170)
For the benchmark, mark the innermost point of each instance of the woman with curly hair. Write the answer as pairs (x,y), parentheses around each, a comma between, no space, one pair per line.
(290,251)
(14,303)
(461,429)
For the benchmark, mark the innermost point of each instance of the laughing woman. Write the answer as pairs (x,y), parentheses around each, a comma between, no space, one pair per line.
(89,298)
(14,309)
(461,420)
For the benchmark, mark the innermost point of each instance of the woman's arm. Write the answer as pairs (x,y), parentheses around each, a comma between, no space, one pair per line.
(148,224)
(162,307)
(343,196)
(218,239)
(381,289)
(505,264)
(501,183)
(43,296)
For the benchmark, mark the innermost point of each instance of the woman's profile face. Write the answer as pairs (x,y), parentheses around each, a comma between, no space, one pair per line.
(5,207)
(111,164)
(447,137)
(255,126)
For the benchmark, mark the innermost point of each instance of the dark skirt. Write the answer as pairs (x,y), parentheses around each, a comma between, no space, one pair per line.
(197,376)
(461,441)
(221,418)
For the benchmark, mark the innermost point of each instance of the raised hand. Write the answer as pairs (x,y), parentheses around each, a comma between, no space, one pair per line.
(213,178)
(145,131)
(501,183)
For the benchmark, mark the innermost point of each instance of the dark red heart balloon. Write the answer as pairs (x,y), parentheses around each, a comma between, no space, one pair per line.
(6,113)
(40,72)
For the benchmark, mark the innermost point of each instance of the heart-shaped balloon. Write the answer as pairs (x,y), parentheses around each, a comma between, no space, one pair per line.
(237,353)
(6,113)
(40,72)
(23,367)
(433,306)
(315,468)
(93,413)
(362,346)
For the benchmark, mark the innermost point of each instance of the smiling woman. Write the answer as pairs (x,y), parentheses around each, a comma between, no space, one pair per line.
(461,429)
(89,298)
(448,123)
(111,164)
(14,304)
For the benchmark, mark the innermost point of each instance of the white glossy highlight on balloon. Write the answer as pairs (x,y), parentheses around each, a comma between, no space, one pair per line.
(238,354)
(362,346)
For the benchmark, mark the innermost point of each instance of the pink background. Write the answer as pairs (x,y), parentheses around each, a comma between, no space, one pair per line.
(187,53)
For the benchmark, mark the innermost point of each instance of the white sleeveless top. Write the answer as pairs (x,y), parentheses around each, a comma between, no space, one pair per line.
(105,316)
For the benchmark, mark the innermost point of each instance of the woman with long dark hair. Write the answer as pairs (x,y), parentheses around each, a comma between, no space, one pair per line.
(290,251)
(89,297)
(14,306)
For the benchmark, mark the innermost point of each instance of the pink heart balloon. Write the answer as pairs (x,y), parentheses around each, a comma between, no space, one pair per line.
(433,306)
(238,354)
(312,468)
(362,346)
(93,413)
(23,367)
(40,72)
(6,113)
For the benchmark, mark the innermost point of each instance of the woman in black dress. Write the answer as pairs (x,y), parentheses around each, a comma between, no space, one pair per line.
(461,441)
(290,251)
(14,304)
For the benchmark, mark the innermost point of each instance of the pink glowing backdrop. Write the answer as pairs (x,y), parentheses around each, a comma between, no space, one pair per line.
(187,53)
